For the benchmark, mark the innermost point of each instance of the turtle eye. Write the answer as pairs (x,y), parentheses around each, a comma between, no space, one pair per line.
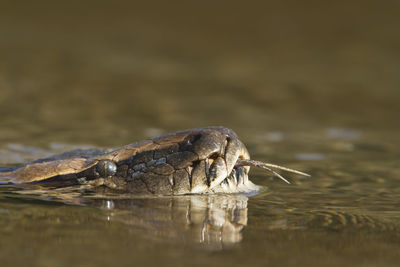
(106,168)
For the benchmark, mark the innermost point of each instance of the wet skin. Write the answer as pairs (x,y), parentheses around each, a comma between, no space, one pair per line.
(195,161)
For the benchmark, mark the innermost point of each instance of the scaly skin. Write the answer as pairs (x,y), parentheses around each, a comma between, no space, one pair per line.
(196,161)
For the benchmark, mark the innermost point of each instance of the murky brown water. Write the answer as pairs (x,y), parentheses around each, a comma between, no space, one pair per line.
(313,86)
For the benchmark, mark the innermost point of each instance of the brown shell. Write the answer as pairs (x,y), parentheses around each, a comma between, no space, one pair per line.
(80,160)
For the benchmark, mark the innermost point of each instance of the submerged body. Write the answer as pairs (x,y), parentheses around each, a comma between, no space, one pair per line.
(196,161)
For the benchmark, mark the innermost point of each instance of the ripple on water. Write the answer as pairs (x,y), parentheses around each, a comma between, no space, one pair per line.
(310,156)
(343,133)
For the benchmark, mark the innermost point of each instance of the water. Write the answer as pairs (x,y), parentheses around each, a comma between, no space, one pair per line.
(301,88)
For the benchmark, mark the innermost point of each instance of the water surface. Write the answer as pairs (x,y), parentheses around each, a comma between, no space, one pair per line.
(301,87)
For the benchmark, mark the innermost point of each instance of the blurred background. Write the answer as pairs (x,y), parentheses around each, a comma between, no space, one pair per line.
(311,85)
(112,73)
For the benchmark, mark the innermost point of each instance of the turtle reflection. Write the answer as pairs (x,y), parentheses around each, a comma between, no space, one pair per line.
(214,221)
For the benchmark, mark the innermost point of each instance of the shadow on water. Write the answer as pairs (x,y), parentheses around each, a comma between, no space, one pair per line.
(310,85)
(310,223)
(213,222)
